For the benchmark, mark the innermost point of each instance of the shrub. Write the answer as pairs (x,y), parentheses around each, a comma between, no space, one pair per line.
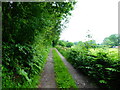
(98,64)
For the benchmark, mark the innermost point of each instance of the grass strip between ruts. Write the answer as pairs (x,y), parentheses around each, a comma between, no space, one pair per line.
(62,75)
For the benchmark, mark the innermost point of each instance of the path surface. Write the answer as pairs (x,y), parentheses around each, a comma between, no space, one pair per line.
(81,80)
(48,78)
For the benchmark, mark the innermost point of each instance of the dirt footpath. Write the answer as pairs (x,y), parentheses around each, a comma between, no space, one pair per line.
(48,77)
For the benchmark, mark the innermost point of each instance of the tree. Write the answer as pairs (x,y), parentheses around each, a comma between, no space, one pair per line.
(65,43)
(112,40)
(28,31)
(62,43)
(69,44)
(90,44)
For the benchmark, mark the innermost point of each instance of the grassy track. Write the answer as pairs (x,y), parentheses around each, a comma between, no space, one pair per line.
(63,77)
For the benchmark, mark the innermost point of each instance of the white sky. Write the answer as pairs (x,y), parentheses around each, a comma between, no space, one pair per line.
(98,16)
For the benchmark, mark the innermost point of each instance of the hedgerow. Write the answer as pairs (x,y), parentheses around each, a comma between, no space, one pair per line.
(100,65)
(29,29)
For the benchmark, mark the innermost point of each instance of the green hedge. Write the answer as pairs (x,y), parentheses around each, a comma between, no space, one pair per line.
(28,31)
(100,66)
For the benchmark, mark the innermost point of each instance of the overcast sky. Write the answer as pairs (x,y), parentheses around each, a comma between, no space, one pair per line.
(98,16)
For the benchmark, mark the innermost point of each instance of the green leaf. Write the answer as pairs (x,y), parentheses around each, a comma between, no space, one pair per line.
(111,69)
(102,81)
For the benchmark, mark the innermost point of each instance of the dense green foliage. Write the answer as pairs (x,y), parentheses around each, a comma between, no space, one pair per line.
(29,30)
(101,64)
(65,43)
(112,40)
(62,75)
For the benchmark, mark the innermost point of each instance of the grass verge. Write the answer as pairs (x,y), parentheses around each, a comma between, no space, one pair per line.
(63,77)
